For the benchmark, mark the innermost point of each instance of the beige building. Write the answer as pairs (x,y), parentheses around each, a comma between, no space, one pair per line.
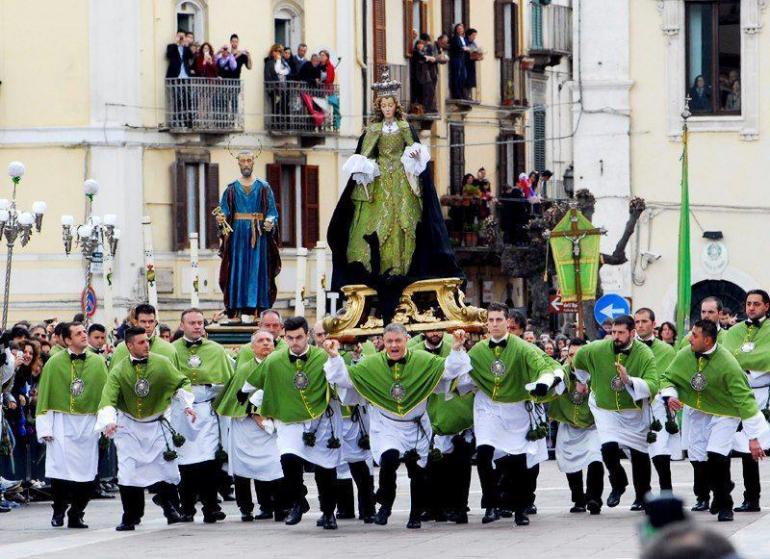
(98,106)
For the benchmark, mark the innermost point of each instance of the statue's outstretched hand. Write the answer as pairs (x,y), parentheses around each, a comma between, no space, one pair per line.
(268,225)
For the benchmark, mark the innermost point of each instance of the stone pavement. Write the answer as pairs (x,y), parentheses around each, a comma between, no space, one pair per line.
(554,533)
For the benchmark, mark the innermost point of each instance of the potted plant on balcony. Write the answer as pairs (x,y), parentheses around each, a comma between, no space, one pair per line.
(471,235)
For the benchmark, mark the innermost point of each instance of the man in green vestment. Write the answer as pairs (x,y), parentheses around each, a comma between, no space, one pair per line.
(710,309)
(624,378)
(713,385)
(68,396)
(209,369)
(97,339)
(270,320)
(145,317)
(749,342)
(397,384)
(308,422)
(135,403)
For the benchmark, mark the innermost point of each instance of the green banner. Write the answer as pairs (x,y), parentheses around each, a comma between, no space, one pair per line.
(575,230)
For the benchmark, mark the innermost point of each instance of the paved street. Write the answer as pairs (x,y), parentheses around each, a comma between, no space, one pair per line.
(554,532)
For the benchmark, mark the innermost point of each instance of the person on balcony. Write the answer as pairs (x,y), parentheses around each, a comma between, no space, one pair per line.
(437,51)
(179,59)
(458,62)
(310,73)
(205,62)
(231,61)
(327,69)
(424,87)
(299,58)
(206,71)
(474,54)
(277,71)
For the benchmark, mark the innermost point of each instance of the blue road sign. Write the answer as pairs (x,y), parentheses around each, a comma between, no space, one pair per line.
(610,306)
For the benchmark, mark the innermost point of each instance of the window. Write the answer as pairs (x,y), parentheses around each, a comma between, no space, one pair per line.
(510,160)
(287,26)
(453,12)
(379,37)
(713,51)
(415,22)
(196,194)
(189,18)
(539,137)
(295,188)
(507,49)
(456,157)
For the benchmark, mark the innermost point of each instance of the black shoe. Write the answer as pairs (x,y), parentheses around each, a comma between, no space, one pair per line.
(320,521)
(280,515)
(700,506)
(186,518)
(330,523)
(490,515)
(123,527)
(57,520)
(505,513)
(577,508)
(594,507)
(345,516)
(614,499)
(209,519)
(294,516)
(219,515)
(381,518)
(172,516)
(725,515)
(368,519)
(440,516)
(414,523)
(102,494)
(531,509)
(636,507)
(458,517)
(76,522)
(248,517)
(521,518)
(747,506)
(264,515)
(426,516)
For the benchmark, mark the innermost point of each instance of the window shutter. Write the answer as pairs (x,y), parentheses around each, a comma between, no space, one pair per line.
(273,172)
(310,219)
(467,13)
(423,17)
(179,181)
(446,16)
(502,162)
(408,26)
(499,29)
(212,202)
(515,30)
(456,157)
(519,157)
(380,34)
(539,133)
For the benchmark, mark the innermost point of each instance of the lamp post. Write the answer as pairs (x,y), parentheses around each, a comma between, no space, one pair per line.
(14,223)
(98,241)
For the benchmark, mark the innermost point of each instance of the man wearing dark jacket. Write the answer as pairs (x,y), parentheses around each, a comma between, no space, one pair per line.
(179,57)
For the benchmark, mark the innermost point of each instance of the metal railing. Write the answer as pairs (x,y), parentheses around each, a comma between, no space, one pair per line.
(293,107)
(551,29)
(204,105)
(512,83)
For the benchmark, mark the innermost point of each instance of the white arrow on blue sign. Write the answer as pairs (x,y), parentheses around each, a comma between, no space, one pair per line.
(610,306)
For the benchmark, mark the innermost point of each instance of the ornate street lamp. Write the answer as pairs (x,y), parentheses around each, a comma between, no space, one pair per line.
(16,224)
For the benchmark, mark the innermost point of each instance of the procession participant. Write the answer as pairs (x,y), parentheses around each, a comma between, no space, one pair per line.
(144,316)
(749,342)
(577,441)
(68,398)
(623,378)
(307,419)
(710,309)
(712,383)
(357,463)
(270,320)
(249,441)
(397,384)
(504,369)
(56,339)
(97,339)
(449,466)
(134,410)
(666,444)
(209,368)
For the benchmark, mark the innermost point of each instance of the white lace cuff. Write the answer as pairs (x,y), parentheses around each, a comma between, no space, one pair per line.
(106,416)
(257,397)
(361,169)
(415,165)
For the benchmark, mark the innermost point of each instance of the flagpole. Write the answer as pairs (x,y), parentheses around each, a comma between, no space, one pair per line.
(684,284)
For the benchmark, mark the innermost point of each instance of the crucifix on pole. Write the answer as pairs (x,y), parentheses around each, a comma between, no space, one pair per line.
(575,228)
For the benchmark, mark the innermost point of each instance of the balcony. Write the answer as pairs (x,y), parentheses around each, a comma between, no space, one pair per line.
(203,106)
(297,109)
(551,33)
(512,84)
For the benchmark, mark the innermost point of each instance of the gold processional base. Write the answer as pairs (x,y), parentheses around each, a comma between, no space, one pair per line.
(433,304)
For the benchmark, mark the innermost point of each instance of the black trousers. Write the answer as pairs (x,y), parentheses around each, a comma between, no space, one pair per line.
(532,474)
(700,482)
(449,479)
(386,493)
(132,499)
(294,485)
(514,486)
(594,485)
(662,465)
(199,482)
(269,495)
(364,481)
(719,480)
(640,468)
(72,494)
(751,484)
(488,477)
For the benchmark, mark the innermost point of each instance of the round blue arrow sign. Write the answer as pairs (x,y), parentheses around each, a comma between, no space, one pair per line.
(610,306)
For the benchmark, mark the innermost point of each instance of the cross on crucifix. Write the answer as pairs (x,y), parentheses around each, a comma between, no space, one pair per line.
(575,235)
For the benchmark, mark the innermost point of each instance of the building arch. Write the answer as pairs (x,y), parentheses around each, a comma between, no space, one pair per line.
(288,23)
